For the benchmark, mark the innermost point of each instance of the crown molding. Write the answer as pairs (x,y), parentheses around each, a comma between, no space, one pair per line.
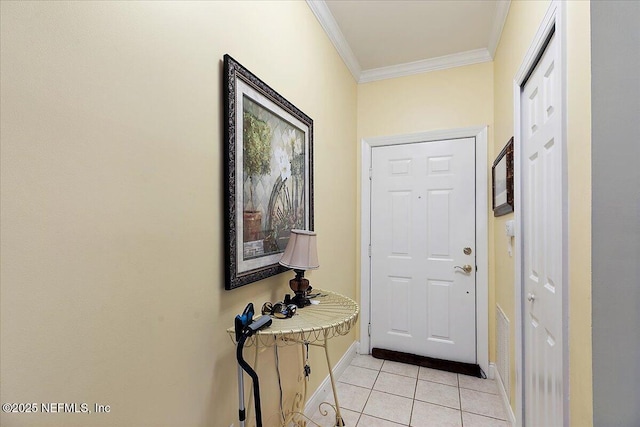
(433,64)
(502,10)
(330,26)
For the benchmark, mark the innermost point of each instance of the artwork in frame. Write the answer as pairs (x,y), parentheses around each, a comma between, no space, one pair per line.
(268,175)
(502,181)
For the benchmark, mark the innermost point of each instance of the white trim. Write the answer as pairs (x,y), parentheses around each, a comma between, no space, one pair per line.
(482,240)
(518,248)
(492,371)
(482,251)
(502,10)
(424,66)
(503,394)
(321,393)
(330,26)
(365,239)
(554,18)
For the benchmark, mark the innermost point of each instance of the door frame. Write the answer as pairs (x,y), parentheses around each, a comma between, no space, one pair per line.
(482,224)
(554,20)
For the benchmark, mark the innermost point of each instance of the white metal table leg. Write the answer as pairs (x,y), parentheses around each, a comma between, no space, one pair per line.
(325,344)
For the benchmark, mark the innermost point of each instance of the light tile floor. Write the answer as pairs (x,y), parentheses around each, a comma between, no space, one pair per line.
(378,393)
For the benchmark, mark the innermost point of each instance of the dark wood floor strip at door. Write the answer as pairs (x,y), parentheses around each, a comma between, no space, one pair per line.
(429,362)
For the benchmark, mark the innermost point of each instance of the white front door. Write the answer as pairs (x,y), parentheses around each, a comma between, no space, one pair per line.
(542,216)
(422,240)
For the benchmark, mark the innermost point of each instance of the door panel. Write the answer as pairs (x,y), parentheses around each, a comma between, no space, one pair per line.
(400,221)
(438,233)
(422,217)
(542,207)
(440,316)
(399,294)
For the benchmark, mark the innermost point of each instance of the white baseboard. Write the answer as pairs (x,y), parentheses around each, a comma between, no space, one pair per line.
(503,393)
(492,371)
(320,395)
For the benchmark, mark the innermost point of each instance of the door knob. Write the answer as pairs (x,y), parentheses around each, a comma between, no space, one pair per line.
(466,268)
(531,297)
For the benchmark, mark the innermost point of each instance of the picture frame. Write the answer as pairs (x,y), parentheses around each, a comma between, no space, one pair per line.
(268,175)
(502,181)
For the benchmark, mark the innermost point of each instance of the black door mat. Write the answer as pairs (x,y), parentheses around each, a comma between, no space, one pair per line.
(429,362)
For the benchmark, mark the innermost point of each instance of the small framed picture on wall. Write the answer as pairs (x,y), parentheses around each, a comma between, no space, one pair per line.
(502,181)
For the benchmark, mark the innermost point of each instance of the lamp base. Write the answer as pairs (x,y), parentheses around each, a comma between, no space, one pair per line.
(301,300)
(299,285)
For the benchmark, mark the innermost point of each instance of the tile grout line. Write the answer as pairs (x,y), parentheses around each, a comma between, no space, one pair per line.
(477,413)
(460,399)
(413,402)
(358,420)
(369,395)
(391,394)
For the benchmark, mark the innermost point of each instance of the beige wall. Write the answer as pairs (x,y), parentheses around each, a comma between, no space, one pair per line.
(447,99)
(579,183)
(520,28)
(112,194)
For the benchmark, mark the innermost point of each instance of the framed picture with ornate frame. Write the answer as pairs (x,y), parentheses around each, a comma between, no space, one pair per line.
(268,175)
(502,181)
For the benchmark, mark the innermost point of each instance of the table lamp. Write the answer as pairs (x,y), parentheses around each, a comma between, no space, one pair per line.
(300,254)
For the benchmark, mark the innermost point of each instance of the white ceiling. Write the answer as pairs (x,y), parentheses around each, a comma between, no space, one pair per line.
(380,39)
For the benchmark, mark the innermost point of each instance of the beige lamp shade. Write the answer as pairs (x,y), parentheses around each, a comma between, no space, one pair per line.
(301,252)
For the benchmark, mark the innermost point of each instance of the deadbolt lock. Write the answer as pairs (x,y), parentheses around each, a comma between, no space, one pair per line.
(467,251)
